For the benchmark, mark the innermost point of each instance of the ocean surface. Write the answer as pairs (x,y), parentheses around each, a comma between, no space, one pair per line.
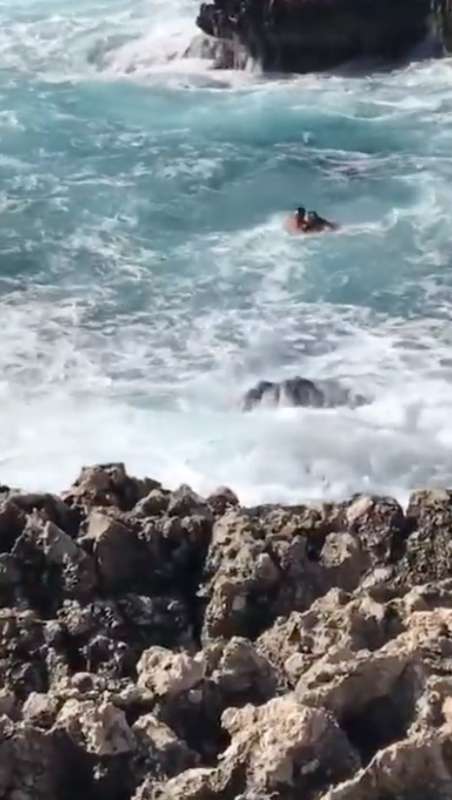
(146,280)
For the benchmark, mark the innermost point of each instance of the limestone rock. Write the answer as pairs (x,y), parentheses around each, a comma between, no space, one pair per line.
(222,499)
(185,502)
(40,709)
(336,622)
(108,485)
(160,747)
(168,674)
(99,728)
(8,703)
(241,670)
(345,560)
(380,524)
(155,503)
(31,767)
(260,565)
(418,768)
(281,749)
(428,554)
(12,523)
(283,744)
(118,553)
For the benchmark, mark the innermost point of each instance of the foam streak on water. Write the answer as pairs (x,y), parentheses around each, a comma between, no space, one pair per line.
(146,280)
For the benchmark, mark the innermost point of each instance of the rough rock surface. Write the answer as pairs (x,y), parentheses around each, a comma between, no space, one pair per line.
(306,35)
(300,392)
(155,644)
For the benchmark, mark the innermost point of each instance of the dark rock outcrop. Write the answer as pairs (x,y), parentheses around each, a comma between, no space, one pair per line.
(154,644)
(307,35)
(300,392)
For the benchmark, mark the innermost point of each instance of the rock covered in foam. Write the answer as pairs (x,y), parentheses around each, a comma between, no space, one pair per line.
(299,392)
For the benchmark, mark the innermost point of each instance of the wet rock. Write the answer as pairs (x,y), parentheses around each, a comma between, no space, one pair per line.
(300,392)
(320,34)
(223,53)
(295,391)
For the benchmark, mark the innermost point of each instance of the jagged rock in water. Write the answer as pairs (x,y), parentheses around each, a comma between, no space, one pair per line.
(224,53)
(299,392)
(296,392)
(307,35)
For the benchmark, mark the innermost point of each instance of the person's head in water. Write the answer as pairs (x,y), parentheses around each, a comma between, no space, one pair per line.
(300,215)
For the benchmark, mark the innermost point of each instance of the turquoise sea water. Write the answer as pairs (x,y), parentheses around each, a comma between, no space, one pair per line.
(146,280)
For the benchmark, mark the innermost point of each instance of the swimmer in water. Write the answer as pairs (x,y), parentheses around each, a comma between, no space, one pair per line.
(302,222)
(316,224)
(296,223)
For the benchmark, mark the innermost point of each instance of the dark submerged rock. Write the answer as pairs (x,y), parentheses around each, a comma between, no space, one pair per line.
(299,392)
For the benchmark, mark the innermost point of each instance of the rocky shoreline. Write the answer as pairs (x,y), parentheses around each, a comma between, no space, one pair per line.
(155,644)
(310,35)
